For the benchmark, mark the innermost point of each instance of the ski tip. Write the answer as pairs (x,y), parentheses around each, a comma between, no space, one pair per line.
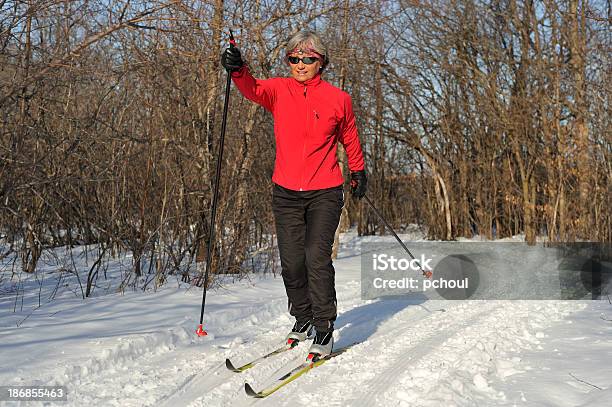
(250,392)
(230,365)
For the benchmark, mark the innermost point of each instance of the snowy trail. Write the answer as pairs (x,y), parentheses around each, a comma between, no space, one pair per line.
(349,333)
(154,371)
(453,366)
(140,349)
(374,364)
(186,370)
(227,387)
(167,375)
(415,342)
(443,359)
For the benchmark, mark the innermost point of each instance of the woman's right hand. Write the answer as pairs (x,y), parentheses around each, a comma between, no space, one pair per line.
(231,59)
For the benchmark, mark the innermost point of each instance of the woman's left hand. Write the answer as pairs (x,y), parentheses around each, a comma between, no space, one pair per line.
(359,184)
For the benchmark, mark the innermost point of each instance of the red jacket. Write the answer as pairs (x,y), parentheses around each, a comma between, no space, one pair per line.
(309,119)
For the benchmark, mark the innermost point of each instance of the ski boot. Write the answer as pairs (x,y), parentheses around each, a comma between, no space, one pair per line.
(321,346)
(300,332)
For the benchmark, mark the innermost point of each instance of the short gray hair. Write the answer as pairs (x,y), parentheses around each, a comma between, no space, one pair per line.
(309,39)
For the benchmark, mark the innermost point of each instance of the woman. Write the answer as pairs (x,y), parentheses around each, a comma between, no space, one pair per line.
(310,117)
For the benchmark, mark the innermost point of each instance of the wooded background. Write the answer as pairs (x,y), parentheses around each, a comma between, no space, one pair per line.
(476,117)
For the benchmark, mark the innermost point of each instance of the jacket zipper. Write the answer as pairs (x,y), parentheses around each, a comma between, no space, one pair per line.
(304,143)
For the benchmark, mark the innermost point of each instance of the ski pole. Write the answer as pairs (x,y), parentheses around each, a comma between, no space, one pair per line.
(427,273)
(211,231)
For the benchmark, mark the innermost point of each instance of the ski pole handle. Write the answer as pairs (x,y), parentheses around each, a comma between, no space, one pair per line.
(232,41)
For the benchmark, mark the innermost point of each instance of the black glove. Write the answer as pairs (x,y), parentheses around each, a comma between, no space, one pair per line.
(359,184)
(231,59)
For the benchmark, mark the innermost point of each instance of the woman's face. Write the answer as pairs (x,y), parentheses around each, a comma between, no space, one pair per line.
(301,71)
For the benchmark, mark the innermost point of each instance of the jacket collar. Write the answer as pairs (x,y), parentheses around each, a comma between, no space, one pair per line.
(314,81)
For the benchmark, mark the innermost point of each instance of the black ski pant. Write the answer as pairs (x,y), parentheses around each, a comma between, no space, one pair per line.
(306,223)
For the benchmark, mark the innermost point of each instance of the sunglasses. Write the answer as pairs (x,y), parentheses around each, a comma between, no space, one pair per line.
(305,60)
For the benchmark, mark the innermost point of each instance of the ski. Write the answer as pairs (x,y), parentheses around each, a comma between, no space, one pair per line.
(290,344)
(298,371)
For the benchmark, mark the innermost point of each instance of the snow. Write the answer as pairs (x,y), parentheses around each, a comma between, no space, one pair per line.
(139,348)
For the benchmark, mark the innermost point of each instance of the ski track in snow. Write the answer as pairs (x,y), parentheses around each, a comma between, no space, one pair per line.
(408,353)
(178,366)
(415,342)
(173,368)
(453,366)
(228,387)
(233,395)
(441,359)
(373,365)
(418,356)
